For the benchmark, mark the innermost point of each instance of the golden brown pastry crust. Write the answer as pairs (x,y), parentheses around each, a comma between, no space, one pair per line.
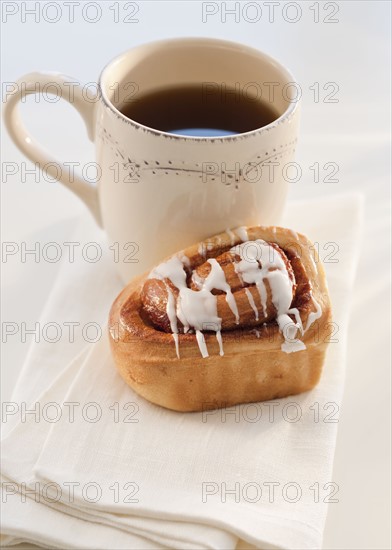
(253,368)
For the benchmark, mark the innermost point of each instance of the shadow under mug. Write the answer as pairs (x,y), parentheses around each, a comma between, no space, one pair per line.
(159,191)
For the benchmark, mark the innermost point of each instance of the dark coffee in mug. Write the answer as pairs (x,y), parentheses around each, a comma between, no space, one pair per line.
(205,109)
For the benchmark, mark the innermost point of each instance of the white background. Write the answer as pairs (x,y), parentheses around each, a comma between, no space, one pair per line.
(352,53)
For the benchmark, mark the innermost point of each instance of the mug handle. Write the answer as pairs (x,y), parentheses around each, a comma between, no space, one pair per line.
(22,139)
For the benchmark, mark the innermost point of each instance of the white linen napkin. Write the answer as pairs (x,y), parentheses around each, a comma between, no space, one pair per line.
(261,472)
(52,365)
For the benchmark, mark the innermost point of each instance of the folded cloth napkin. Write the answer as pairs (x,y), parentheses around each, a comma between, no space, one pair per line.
(100,453)
(50,365)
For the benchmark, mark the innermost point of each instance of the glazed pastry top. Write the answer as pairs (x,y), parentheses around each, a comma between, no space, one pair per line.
(235,285)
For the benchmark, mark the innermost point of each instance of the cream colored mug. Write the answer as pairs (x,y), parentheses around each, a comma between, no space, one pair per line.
(159,191)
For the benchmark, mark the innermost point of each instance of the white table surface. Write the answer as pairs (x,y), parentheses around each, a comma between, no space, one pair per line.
(353,133)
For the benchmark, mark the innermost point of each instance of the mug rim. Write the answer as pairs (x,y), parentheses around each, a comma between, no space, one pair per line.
(287,114)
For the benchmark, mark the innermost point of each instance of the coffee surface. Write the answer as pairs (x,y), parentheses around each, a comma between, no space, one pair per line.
(200,110)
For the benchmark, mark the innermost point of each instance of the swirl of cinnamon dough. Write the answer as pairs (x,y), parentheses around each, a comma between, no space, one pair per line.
(243,286)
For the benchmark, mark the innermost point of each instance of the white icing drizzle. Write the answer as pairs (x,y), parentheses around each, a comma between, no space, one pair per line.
(294,311)
(294,234)
(238,274)
(197,280)
(219,338)
(257,332)
(292,347)
(197,309)
(252,303)
(171,310)
(175,338)
(263,296)
(184,259)
(314,315)
(242,233)
(259,264)
(171,313)
(202,250)
(201,343)
(172,269)
(231,235)
(217,279)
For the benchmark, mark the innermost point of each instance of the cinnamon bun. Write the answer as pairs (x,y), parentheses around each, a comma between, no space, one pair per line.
(244,316)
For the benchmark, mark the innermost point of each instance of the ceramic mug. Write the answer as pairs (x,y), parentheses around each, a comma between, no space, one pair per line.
(159,192)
